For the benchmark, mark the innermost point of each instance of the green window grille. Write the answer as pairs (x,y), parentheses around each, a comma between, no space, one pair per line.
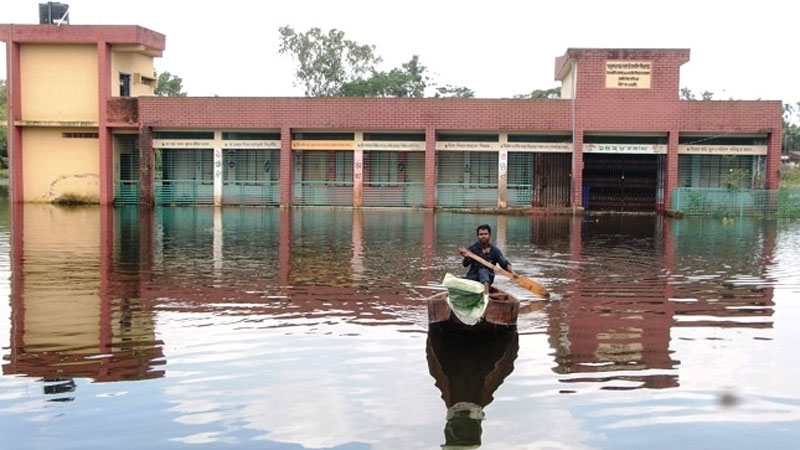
(250,177)
(466,179)
(736,202)
(323,178)
(721,171)
(127,178)
(184,177)
(393,178)
(539,179)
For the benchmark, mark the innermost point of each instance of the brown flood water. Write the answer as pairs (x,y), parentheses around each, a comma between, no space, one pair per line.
(304,328)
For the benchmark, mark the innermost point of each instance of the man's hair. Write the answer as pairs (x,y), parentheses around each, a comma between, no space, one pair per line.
(484,227)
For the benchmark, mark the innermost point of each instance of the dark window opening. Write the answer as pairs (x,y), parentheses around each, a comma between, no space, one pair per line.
(124,85)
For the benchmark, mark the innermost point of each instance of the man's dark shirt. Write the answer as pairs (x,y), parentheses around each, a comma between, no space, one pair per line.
(493,255)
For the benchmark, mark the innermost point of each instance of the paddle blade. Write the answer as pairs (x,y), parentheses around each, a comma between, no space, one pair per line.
(532,286)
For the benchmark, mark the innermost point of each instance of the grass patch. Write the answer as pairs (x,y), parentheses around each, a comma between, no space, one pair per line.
(74,200)
(790,177)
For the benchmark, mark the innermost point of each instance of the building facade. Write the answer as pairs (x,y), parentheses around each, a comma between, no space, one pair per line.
(84,124)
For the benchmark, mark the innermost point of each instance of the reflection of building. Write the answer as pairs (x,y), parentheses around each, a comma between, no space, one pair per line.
(621,326)
(619,137)
(468,370)
(74,314)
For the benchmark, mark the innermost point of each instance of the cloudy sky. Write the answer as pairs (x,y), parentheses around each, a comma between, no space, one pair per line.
(498,48)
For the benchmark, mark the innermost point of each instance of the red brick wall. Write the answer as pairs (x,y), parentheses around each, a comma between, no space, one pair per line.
(83,34)
(633,110)
(356,113)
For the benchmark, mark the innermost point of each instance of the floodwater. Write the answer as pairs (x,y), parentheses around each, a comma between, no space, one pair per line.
(287,329)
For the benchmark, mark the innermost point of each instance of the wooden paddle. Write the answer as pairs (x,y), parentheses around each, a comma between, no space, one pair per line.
(526,283)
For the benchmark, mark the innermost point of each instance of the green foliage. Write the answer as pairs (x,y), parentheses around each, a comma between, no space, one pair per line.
(707,95)
(790,177)
(330,65)
(169,85)
(454,92)
(326,61)
(542,93)
(72,200)
(687,94)
(735,178)
(790,135)
(409,80)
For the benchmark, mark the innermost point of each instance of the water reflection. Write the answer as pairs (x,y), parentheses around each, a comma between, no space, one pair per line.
(632,286)
(74,315)
(88,282)
(226,310)
(468,370)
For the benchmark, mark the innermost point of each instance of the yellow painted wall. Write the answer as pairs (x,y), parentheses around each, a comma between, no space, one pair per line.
(59,82)
(566,85)
(54,166)
(131,63)
(55,240)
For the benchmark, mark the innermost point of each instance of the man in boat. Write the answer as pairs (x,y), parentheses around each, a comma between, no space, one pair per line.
(487,251)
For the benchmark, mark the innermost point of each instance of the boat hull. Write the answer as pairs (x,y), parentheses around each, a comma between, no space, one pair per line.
(500,315)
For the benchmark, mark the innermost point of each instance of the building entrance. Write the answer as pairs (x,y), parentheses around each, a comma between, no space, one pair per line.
(622,182)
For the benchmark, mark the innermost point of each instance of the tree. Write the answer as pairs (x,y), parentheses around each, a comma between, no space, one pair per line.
(791,132)
(169,85)
(3,125)
(409,80)
(326,61)
(330,65)
(687,94)
(707,95)
(542,93)
(454,91)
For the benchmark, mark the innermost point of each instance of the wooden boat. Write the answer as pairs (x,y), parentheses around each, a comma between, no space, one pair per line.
(468,369)
(500,315)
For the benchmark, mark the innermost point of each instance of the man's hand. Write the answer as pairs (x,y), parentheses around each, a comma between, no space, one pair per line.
(463,252)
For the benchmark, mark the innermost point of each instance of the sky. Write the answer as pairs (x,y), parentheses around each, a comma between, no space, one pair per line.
(499,48)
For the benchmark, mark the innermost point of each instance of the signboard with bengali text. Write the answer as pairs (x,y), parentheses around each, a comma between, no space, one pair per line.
(183,143)
(646,149)
(543,147)
(628,74)
(323,145)
(722,149)
(396,146)
(244,144)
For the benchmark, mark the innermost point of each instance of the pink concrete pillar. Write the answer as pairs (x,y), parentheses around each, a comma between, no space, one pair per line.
(671,175)
(286,166)
(106,141)
(430,167)
(577,170)
(14,105)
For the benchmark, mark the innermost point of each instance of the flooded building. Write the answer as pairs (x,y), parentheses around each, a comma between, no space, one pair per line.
(84,125)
